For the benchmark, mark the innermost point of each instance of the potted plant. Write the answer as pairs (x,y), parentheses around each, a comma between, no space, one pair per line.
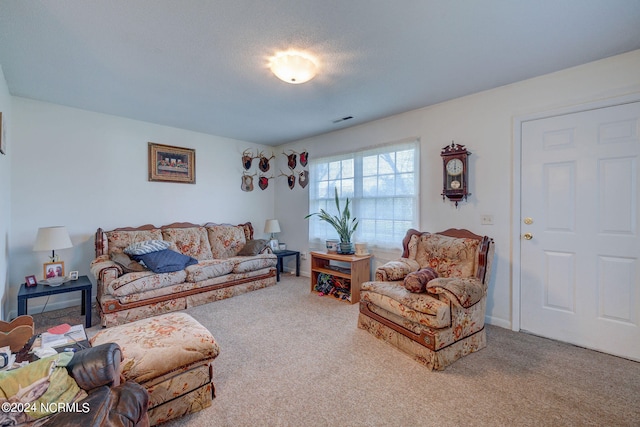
(343,224)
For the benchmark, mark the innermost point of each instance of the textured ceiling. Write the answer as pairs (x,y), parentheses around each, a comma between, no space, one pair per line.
(202,65)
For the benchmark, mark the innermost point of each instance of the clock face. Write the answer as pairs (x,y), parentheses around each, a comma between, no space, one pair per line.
(454,167)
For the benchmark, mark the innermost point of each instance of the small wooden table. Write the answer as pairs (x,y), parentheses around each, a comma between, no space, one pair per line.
(82,284)
(359,270)
(285,253)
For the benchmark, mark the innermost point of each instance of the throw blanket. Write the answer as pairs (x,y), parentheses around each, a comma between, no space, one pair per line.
(44,381)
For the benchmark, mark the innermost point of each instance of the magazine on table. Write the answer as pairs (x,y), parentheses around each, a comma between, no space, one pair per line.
(73,335)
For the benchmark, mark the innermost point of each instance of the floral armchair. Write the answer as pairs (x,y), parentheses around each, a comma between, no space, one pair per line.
(431,302)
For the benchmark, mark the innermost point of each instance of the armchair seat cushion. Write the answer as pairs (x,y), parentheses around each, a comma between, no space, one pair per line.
(420,308)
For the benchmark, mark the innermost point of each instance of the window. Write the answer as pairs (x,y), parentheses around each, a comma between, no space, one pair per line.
(382,184)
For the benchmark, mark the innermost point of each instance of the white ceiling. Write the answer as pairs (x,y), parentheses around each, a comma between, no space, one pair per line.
(202,65)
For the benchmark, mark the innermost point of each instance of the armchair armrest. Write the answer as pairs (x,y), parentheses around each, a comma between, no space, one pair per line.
(462,291)
(396,270)
(96,366)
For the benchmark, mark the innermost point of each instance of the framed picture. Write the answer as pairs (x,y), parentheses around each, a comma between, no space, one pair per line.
(3,135)
(73,275)
(30,281)
(53,269)
(274,245)
(172,164)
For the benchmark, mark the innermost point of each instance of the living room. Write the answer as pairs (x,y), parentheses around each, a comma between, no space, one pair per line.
(85,170)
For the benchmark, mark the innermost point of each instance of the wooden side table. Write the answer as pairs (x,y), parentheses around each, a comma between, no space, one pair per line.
(82,284)
(359,271)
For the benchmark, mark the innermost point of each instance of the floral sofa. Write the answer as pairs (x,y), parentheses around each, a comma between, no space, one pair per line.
(431,302)
(222,260)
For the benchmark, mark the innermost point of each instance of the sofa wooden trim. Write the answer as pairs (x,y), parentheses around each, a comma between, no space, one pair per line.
(117,306)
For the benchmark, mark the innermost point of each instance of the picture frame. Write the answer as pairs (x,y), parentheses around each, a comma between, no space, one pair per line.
(73,275)
(3,135)
(274,245)
(172,164)
(30,281)
(53,269)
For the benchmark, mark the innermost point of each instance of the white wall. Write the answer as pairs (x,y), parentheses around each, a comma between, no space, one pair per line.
(5,194)
(87,170)
(484,123)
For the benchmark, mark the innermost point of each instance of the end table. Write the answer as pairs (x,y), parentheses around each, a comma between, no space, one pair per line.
(82,284)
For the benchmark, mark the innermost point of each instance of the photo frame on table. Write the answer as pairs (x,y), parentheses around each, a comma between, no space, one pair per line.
(53,269)
(172,164)
(73,275)
(30,281)
(274,245)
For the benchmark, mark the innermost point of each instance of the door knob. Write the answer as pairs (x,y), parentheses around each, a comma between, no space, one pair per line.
(528,236)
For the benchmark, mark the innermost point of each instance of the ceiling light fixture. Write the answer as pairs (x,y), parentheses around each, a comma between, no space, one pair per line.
(293,67)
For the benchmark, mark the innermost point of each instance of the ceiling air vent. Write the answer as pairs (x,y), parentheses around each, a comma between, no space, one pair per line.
(342,119)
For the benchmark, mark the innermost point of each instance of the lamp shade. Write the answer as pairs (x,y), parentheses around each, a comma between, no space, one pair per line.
(52,238)
(272,226)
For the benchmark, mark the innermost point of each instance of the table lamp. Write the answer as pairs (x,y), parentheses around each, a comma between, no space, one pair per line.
(272,226)
(52,238)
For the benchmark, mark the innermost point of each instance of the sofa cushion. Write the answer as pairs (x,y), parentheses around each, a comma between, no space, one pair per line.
(119,240)
(165,261)
(127,264)
(190,241)
(253,247)
(416,281)
(226,240)
(448,256)
(208,269)
(142,281)
(252,263)
(421,308)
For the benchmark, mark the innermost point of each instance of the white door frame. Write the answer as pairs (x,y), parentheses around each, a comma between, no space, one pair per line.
(516,187)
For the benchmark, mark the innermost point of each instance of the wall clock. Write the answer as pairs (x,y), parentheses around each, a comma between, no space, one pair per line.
(455,172)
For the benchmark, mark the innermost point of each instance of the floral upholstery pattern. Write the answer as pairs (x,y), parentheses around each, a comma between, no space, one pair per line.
(420,308)
(216,248)
(112,313)
(447,321)
(226,240)
(396,270)
(256,262)
(171,356)
(142,281)
(464,291)
(190,241)
(119,240)
(448,256)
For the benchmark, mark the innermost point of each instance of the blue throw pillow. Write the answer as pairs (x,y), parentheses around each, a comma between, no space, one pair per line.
(165,261)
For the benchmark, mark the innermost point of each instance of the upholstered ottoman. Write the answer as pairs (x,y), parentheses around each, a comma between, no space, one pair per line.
(171,356)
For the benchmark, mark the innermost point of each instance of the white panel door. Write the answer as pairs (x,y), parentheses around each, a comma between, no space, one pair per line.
(580,249)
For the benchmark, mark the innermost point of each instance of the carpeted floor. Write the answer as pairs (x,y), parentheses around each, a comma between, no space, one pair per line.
(291,358)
